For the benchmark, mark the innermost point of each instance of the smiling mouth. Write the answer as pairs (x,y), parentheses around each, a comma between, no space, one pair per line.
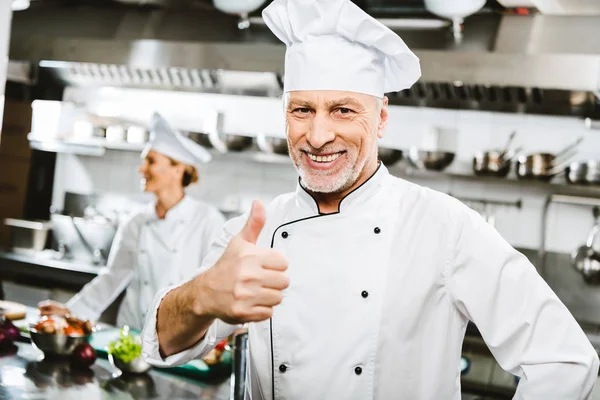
(324,158)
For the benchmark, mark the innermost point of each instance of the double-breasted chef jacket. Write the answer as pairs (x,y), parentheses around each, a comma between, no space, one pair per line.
(149,254)
(379,300)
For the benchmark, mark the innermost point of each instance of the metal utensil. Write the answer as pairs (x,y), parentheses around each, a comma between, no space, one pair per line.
(238,381)
(389,156)
(544,166)
(583,172)
(56,344)
(224,142)
(568,149)
(493,163)
(507,147)
(431,160)
(135,366)
(586,258)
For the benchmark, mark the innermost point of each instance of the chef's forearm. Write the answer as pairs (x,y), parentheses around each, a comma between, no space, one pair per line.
(180,321)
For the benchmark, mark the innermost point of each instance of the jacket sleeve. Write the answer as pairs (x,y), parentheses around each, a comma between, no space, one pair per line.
(218,331)
(528,329)
(98,295)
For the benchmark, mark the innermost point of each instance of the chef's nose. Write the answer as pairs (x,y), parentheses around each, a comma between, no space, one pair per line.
(321,131)
(142,167)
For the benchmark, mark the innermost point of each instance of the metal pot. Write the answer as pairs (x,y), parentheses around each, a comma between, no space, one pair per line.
(583,172)
(431,160)
(544,166)
(389,156)
(492,163)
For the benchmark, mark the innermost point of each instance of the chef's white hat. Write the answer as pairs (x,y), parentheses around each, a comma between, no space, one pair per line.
(170,142)
(334,45)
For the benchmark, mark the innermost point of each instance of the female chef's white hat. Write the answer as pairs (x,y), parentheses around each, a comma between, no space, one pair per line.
(334,45)
(170,142)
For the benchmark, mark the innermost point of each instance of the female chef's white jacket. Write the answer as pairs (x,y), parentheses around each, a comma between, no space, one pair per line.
(379,300)
(147,255)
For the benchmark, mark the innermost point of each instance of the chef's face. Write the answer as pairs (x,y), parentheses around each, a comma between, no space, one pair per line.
(332,137)
(159,173)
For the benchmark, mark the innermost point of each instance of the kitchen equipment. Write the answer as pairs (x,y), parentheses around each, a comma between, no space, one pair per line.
(431,160)
(135,366)
(195,369)
(12,311)
(223,142)
(238,381)
(583,172)
(28,236)
(389,156)
(586,258)
(200,138)
(544,166)
(455,10)
(83,239)
(272,145)
(56,344)
(493,163)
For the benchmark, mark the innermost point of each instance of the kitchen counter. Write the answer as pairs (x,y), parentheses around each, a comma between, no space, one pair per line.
(43,267)
(24,375)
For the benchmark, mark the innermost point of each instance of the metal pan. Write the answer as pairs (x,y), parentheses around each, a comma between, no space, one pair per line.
(544,166)
(493,163)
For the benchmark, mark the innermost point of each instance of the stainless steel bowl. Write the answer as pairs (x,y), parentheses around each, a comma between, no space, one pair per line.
(56,344)
(135,366)
(389,156)
(432,160)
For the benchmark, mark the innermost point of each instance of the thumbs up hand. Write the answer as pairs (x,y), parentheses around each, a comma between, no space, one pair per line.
(247,282)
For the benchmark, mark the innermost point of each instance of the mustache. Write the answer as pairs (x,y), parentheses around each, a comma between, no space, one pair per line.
(320,151)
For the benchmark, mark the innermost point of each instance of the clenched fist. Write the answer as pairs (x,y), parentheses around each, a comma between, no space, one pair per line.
(247,281)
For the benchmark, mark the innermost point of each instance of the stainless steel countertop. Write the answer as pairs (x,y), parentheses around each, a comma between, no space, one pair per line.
(45,259)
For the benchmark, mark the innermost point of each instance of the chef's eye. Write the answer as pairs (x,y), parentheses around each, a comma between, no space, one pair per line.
(344,111)
(301,110)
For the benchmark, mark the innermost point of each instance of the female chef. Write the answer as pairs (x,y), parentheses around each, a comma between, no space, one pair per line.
(159,245)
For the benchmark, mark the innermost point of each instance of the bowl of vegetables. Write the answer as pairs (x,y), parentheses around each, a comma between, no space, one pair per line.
(125,353)
(61,336)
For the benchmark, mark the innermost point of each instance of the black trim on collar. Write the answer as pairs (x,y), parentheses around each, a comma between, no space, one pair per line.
(343,198)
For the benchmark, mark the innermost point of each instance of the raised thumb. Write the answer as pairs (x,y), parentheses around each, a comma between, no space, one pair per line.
(255,223)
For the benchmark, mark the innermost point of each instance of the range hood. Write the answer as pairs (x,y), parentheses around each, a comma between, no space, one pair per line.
(533,63)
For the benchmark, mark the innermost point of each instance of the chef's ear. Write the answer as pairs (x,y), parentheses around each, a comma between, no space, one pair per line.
(383,116)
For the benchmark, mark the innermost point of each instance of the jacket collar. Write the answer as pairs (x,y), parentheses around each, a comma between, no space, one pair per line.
(358,196)
(179,212)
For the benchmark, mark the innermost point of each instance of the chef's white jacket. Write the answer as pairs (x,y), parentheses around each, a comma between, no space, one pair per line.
(380,296)
(149,254)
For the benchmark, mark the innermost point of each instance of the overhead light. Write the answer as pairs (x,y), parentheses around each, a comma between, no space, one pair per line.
(20,5)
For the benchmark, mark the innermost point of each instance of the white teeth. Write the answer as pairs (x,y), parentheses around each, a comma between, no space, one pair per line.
(329,158)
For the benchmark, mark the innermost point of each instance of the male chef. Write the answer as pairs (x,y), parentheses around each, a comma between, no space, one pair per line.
(360,285)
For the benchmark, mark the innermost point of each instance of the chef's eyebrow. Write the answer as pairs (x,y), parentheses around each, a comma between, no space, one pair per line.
(293,104)
(331,104)
(345,102)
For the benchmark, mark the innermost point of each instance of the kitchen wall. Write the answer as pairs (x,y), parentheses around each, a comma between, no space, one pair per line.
(232,181)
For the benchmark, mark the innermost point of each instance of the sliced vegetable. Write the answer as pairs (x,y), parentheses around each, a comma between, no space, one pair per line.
(127,348)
